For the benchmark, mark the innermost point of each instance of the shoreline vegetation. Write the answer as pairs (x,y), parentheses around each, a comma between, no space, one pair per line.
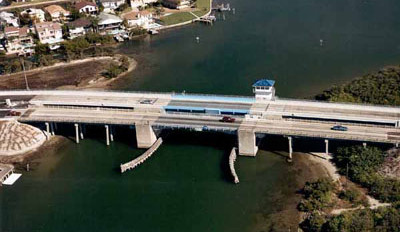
(344,205)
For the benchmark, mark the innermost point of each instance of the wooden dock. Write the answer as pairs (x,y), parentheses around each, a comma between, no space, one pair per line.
(139,160)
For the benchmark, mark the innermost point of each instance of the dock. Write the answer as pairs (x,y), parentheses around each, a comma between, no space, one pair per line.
(232,160)
(7,175)
(139,160)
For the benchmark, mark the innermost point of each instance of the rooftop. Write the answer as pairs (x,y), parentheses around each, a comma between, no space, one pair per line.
(105,18)
(81,4)
(81,22)
(47,25)
(264,82)
(56,8)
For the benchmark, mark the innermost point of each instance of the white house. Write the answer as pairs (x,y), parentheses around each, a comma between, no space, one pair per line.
(264,89)
(49,33)
(57,13)
(86,7)
(79,27)
(8,19)
(18,40)
(108,22)
(139,19)
(37,15)
(141,3)
(110,5)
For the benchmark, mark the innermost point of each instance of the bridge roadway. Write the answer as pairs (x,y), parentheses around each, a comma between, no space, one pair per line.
(146,110)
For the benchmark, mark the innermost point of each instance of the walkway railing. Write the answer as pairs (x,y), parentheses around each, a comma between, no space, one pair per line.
(139,160)
(232,160)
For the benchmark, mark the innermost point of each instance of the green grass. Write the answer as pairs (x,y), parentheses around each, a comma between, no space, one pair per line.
(203,7)
(177,18)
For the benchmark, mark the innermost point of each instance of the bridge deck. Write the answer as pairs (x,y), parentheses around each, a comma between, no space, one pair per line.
(284,117)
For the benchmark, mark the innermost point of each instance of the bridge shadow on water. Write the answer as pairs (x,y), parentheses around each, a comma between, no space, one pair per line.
(279,144)
(221,141)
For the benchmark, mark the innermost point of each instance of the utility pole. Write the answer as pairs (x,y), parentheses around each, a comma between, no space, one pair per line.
(23,68)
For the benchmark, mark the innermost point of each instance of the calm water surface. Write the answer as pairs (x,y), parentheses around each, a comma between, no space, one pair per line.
(185,186)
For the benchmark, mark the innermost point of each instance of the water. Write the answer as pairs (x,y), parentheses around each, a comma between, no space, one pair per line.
(273,39)
(185,186)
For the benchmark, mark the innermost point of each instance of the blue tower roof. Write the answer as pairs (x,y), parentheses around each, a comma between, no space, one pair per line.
(264,82)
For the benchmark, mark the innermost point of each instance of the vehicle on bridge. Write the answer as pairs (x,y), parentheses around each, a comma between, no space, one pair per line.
(339,128)
(227,119)
(13,113)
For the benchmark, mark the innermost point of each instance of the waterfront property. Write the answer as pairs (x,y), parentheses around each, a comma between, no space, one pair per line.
(109,22)
(49,33)
(18,40)
(79,27)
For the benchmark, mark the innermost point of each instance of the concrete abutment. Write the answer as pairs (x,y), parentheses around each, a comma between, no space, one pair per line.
(145,135)
(247,143)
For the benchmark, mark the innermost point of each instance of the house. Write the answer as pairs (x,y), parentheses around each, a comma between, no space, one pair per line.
(141,3)
(86,7)
(18,40)
(139,19)
(57,13)
(8,19)
(79,27)
(108,22)
(36,15)
(264,89)
(176,4)
(49,33)
(111,5)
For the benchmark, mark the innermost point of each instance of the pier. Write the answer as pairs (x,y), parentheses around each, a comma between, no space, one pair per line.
(139,160)
(232,160)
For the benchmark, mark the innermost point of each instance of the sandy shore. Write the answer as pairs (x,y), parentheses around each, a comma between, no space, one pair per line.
(21,143)
(78,74)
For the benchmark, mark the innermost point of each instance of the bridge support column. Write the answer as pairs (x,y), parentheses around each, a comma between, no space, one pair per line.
(107,135)
(365,145)
(145,136)
(111,134)
(47,128)
(290,149)
(326,147)
(81,131)
(247,143)
(76,133)
(52,125)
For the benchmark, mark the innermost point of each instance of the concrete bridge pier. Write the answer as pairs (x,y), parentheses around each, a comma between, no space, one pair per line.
(52,125)
(107,135)
(81,131)
(326,147)
(145,135)
(290,149)
(76,132)
(47,128)
(111,134)
(247,143)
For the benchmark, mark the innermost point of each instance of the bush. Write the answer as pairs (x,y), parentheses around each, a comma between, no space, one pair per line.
(317,195)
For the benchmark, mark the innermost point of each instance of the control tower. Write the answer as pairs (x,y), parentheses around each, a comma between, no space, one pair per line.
(264,90)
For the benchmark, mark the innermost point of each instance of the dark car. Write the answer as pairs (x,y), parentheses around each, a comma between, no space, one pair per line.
(13,113)
(339,128)
(227,119)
